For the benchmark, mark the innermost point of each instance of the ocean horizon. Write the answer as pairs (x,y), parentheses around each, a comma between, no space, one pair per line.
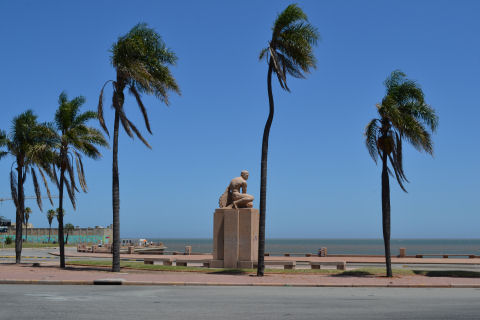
(277,246)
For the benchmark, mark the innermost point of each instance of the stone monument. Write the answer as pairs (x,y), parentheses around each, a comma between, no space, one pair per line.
(235,227)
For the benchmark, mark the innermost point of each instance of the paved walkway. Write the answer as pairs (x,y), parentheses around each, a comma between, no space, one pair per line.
(46,273)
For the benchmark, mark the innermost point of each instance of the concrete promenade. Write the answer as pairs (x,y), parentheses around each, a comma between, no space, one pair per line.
(49,273)
(354,259)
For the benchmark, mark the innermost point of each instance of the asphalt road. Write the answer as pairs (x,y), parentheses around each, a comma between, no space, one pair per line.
(231,303)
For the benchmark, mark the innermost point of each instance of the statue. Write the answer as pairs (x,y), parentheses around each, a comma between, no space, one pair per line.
(233,198)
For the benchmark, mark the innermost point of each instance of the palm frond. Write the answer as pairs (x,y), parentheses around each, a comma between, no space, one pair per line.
(13,188)
(55,177)
(397,175)
(100,109)
(70,192)
(124,121)
(36,186)
(139,135)
(371,137)
(141,106)
(46,185)
(80,173)
(282,80)
(263,54)
(290,15)
(71,174)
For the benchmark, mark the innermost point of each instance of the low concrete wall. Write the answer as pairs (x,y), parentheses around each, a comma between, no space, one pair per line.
(79,235)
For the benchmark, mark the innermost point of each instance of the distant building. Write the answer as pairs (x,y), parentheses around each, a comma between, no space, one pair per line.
(79,235)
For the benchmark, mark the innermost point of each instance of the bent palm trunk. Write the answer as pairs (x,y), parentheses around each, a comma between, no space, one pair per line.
(386,213)
(263,177)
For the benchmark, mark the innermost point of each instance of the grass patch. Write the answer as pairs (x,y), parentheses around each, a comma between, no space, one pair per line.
(365,272)
(154,267)
(35,245)
(448,273)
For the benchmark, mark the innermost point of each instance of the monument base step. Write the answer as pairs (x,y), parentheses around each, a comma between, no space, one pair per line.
(216,263)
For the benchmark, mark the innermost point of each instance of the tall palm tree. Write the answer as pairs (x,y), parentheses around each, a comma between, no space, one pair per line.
(30,143)
(26,217)
(68,228)
(403,115)
(289,52)
(141,61)
(50,215)
(74,139)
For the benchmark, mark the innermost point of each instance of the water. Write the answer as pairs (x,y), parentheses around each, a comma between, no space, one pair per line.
(342,246)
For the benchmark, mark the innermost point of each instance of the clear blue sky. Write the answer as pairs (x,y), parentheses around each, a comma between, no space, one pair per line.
(322,182)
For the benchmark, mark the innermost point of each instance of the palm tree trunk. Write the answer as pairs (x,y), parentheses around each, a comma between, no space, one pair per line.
(66,241)
(49,231)
(263,177)
(19,216)
(386,213)
(26,230)
(116,198)
(60,215)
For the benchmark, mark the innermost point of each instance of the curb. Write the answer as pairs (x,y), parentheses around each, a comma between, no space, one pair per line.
(226,284)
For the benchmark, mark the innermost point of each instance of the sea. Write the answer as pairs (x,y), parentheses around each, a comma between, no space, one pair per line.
(341,246)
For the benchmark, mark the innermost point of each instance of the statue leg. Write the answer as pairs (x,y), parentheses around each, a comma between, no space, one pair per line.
(244,201)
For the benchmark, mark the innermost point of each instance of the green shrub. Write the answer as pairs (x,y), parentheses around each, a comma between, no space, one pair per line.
(8,240)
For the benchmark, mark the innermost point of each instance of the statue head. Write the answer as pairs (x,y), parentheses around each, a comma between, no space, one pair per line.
(244,174)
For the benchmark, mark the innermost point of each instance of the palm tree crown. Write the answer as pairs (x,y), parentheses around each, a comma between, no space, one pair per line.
(290,49)
(141,60)
(76,138)
(404,115)
(50,215)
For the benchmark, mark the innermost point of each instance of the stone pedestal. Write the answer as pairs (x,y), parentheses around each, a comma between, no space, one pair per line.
(235,238)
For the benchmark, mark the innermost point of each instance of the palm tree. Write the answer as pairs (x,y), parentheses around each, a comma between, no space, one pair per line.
(30,143)
(403,115)
(68,228)
(74,139)
(50,215)
(289,52)
(26,217)
(141,61)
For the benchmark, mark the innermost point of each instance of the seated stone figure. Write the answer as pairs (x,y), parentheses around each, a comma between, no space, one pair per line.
(235,196)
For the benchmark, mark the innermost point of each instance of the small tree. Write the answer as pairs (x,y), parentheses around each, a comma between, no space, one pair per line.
(50,215)
(68,228)
(30,144)
(26,217)
(403,115)
(74,138)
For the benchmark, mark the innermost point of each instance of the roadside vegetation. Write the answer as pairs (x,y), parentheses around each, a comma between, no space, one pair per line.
(36,245)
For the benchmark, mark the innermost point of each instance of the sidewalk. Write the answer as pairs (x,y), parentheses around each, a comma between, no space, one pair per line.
(47,273)
(348,259)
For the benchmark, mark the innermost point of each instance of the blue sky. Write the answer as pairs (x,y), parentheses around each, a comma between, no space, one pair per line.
(321,181)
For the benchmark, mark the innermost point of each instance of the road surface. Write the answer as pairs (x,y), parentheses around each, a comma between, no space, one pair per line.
(231,303)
